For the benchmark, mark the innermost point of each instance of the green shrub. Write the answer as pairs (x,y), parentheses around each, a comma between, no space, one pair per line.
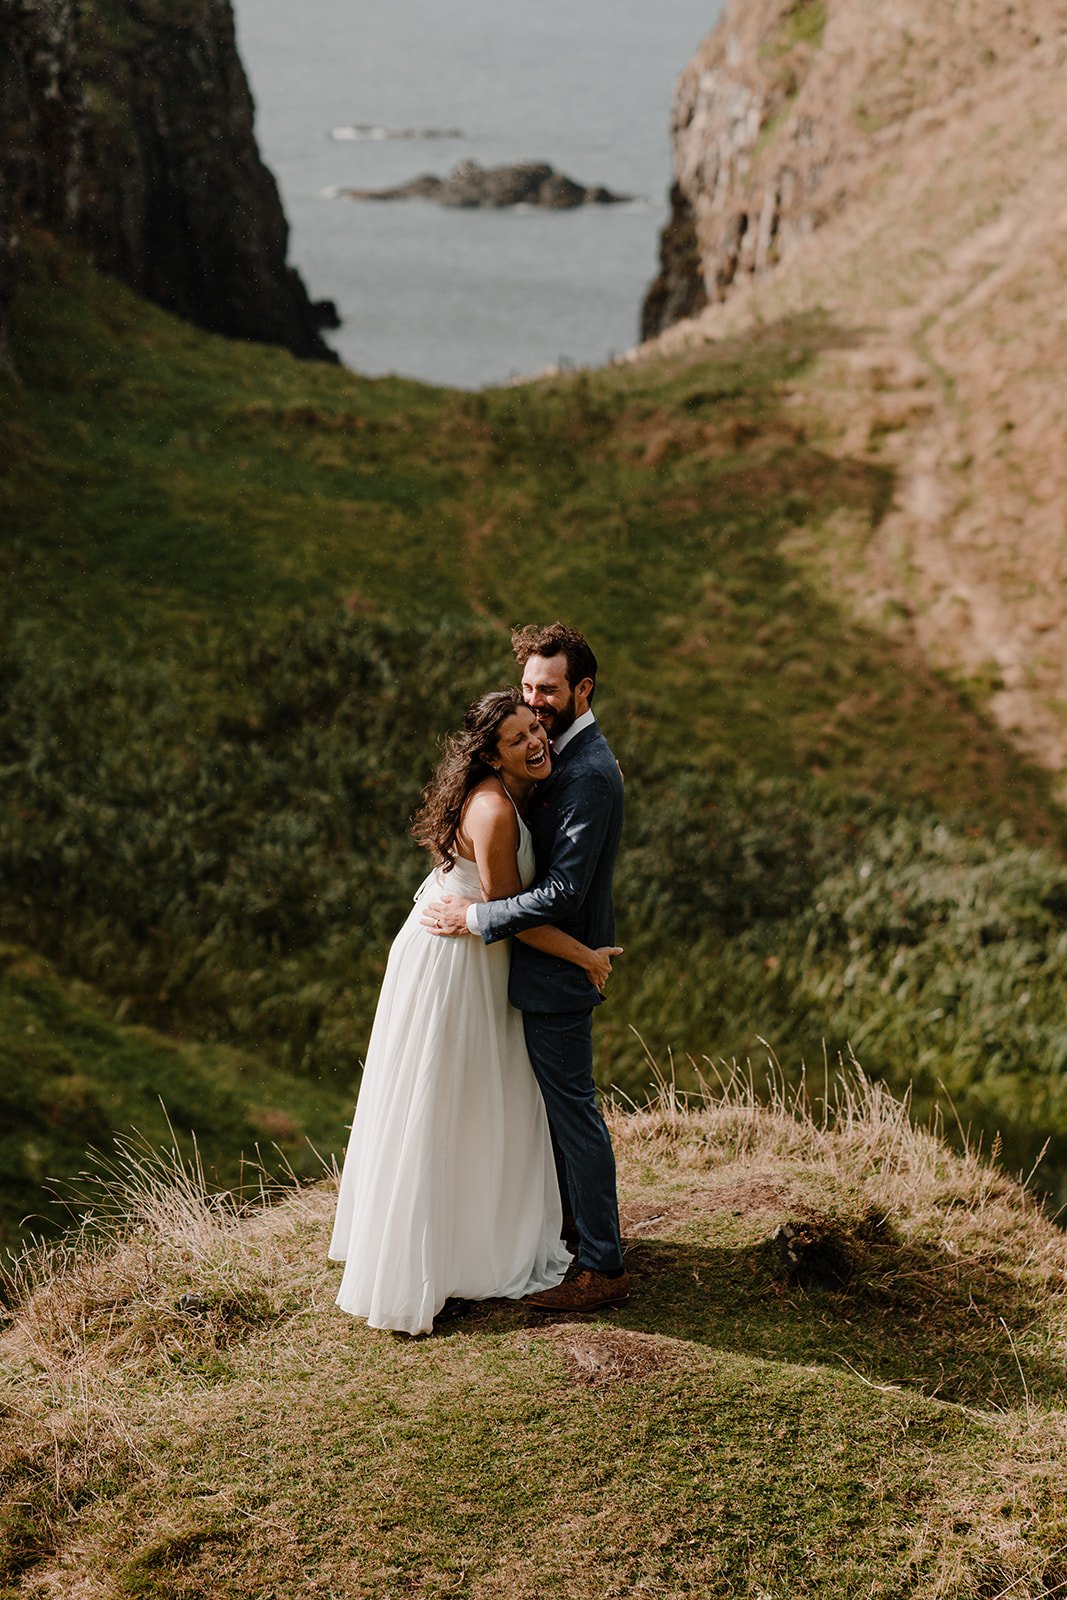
(219,840)
(188,850)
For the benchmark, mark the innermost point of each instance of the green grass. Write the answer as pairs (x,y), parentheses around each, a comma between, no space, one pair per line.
(164,482)
(805,23)
(802,23)
(243,597)
(729,1432)
(69,1076)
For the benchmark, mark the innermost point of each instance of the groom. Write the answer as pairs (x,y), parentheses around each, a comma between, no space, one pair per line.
(576,822)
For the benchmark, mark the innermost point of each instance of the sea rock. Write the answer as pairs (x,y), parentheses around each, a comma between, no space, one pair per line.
(129,129)
(470,185)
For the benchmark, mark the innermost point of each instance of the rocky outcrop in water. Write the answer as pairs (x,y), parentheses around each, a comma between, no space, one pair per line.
(130,130)
(524,183)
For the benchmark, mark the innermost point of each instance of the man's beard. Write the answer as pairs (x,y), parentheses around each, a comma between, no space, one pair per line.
(556,723)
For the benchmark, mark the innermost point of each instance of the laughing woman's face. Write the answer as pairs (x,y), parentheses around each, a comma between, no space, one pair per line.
(522,748)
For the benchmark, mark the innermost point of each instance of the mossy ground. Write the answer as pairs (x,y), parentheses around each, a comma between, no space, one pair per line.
(70,1075)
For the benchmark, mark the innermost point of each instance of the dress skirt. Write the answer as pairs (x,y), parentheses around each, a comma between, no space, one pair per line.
(449,1185)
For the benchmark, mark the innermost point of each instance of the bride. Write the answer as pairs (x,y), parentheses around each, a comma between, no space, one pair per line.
(449,1186)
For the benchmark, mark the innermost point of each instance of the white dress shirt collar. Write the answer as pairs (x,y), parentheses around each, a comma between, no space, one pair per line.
(586,720)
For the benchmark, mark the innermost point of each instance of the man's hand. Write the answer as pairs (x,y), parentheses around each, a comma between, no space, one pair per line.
(447,915)
(598,968)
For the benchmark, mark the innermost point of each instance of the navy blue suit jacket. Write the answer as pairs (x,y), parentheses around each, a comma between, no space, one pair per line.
(576,823)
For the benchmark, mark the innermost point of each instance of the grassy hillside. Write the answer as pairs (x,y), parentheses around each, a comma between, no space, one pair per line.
(242,597)
(887,1423)
(69,1076)
(166,486)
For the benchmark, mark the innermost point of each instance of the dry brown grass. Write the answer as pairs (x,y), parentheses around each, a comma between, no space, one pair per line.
(597,1356)
(844,1126)
(128,1403)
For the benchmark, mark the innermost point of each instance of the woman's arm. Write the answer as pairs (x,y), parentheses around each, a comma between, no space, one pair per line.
(490,824)
(596,964)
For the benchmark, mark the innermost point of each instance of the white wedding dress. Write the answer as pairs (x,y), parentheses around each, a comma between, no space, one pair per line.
(449,1186)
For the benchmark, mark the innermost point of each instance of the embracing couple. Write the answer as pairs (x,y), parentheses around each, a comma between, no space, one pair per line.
(478,1152)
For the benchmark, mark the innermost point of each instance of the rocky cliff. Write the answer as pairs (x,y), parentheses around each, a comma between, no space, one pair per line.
(900,171)
(776,118)
(41,131)
(745,184)
(127,125)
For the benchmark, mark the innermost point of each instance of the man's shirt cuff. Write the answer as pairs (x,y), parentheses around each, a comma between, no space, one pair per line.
(472,920)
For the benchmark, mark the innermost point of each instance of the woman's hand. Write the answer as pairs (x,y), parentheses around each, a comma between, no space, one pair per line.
(598,966)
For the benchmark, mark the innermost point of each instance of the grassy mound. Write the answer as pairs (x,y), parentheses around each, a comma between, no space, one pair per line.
(190,1414)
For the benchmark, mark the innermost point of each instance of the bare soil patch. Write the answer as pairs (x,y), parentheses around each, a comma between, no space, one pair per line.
(596,1356)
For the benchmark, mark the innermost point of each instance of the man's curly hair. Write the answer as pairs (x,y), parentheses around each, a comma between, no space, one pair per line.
(556,640)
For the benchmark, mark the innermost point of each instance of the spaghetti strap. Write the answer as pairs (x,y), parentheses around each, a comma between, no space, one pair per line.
(514,807)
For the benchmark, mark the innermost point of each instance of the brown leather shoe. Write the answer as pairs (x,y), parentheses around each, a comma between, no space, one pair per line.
(585,1291)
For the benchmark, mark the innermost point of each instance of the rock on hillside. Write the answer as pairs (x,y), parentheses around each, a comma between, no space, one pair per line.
(902,170)
(129,128)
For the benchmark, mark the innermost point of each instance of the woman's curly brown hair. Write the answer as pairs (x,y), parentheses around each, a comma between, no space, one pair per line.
(464,765)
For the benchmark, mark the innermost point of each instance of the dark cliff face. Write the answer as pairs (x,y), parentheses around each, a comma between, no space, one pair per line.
(678,289)
(41,129)
(129,127)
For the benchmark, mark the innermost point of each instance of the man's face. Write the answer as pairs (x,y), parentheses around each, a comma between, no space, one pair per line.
(548,694)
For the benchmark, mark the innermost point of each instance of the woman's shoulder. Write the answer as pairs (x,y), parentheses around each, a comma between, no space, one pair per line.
(488,804)
(489,796)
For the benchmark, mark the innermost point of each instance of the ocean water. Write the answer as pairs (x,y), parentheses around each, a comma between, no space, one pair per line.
(369,93)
